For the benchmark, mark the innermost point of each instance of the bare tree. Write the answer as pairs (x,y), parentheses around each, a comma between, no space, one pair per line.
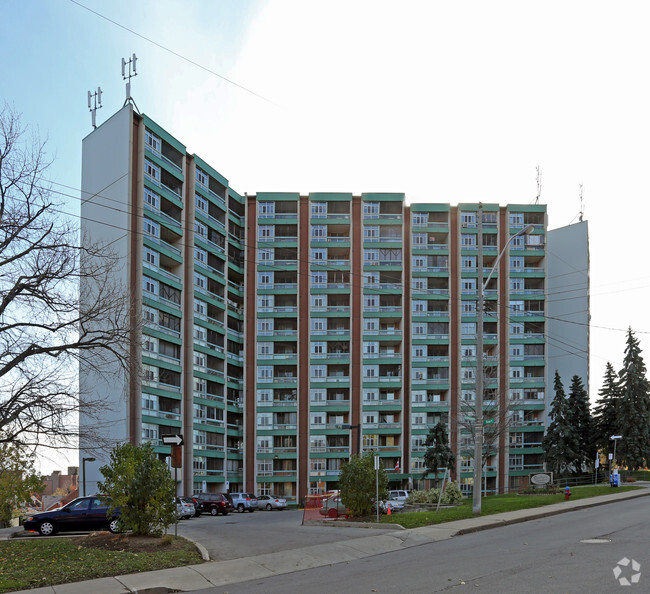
(44,333)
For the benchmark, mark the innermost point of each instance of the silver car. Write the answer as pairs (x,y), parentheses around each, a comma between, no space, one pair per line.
(269,502)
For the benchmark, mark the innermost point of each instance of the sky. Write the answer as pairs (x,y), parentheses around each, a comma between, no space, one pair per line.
(445,101)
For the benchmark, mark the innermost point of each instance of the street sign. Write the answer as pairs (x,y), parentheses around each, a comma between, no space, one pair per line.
(616,437)
(172,440)
(177,456)
(376,462)
(488,421)
(611,456)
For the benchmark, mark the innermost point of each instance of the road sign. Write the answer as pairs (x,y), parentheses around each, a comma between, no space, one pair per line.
(176,440)
(488,421)
(177,456)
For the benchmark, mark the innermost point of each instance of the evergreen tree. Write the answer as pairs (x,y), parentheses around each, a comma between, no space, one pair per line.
(560,442)
(633,414)
(438,453)
(605,412)
(579,418)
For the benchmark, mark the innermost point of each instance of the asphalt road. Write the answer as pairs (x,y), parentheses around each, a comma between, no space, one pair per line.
(544,555)
(245,535)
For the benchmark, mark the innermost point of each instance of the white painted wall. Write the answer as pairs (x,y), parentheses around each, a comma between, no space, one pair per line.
(106,187)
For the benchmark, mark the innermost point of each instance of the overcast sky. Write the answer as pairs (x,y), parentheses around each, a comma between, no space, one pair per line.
(444,101)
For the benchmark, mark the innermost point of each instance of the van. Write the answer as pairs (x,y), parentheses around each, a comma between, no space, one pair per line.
(244,502)
(398,495)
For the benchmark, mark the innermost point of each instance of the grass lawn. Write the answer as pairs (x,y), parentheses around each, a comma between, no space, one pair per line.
(495,504)
(39,562)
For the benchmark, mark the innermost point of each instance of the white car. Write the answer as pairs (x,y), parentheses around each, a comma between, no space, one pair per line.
(398,495)
(270,502)
(184,508)
(394,505)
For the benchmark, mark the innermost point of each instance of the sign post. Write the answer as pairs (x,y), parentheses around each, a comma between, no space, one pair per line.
(176,442)
(377,486)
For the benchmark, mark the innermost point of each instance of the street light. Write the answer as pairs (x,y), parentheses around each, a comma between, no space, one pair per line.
(614,438)
(83,470)
(478,442)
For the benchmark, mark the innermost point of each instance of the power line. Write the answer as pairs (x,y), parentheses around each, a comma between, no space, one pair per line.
(174,53)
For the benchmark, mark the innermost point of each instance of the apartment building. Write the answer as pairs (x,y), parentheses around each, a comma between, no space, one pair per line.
(280,333)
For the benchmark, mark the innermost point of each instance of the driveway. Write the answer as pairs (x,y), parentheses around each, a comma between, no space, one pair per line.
(244,535)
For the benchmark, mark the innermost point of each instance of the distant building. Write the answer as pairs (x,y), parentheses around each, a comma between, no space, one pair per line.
(65,482)
(281,333)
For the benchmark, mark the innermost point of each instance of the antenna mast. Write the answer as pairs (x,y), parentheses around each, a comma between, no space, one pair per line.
(94,103)
(582,207)
(539,185)
(127,75)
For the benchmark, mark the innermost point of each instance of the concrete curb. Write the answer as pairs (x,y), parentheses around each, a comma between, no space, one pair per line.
(346,524)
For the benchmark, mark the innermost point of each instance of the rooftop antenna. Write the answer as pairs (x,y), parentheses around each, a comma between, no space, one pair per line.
(539,185)
(127,75)
(94,103)
(582,207)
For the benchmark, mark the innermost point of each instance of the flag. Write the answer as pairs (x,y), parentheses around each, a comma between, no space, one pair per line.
(397,466)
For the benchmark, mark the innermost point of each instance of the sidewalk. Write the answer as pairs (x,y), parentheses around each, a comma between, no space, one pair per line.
(208,575)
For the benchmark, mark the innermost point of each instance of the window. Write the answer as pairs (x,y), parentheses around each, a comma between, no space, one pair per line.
(318,348)
(469,395)
(317,396)
(419,262)
(264,396)
(370,232)
(419,306)
(516,262)
(265,327)
(419,351)
(200,359)
(265,372)
(469,351)
(151,199)
(200,281)
(318,301)
(200,255)
(370,370)
(370,395)
(150,227)
(265,302)
(317,418)
(419,284)
(318,209)
(265,280)
(200,203)
(200,229)
(266,209)
(318,371)
(468,285)
(468,328)
(371,208)
(516,306)
(200,307)
(418,396)
(516,284)
(149,314)
(152,141)
(370,347)
(469,373)
(266,255)
(370,324)
(318,255)
(319,279)
(467,240)
(149,285)
(419,329)
(199,333)
(516,372)
(419,218)
(468,262)
(149,344)
(516,328)
(419,239)
(151,170)
(149,432)
(318,232)
(516,218)
(418,418)
(468,219)
(150,257)
(468,307)
(201,177)
(370,301)
(369,418)
(370,255)
(266,232)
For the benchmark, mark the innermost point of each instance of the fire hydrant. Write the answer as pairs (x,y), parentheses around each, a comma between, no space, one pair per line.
(567,493)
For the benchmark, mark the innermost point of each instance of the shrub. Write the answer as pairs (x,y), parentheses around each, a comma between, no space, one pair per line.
(452,494)
(417,497)
(358,486)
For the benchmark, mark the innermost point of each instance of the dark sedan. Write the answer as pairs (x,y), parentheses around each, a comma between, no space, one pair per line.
(83,514)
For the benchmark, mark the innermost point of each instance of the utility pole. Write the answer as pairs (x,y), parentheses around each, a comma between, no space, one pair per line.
(478,438)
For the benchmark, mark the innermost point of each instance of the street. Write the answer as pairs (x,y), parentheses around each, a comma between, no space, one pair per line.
(544,555)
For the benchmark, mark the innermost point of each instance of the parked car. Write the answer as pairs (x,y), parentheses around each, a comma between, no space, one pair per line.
(244,502)
(398,495)
(214,503)
(270,502)
(83,514)
(197,504)
(395,505)
(187,507)
(333,507)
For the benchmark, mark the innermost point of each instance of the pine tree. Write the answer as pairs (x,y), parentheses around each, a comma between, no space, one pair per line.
(560,441)
(438,453)
(605,412)
(579,418)
(633,415)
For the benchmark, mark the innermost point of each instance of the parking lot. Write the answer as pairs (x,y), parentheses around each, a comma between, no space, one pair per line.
(244,535)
